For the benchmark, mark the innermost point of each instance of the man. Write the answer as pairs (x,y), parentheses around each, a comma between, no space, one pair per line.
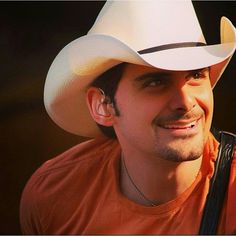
(143,76)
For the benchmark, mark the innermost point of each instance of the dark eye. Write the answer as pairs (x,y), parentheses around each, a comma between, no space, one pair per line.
(199,74)
(154,80)
(153,83)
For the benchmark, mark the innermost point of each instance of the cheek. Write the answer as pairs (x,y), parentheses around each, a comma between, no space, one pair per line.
(205,101)
(141,107)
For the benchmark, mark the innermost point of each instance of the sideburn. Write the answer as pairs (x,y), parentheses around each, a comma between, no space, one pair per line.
(114,104)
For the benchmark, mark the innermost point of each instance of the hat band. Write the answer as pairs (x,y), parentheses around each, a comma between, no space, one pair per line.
(171,46)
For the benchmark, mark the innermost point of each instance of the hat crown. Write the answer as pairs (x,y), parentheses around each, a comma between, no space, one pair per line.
(149,23)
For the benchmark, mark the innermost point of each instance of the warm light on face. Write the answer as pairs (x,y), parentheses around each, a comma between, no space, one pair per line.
(164,113)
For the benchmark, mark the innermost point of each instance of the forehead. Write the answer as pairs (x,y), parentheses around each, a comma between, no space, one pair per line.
(132,71)
(139,69)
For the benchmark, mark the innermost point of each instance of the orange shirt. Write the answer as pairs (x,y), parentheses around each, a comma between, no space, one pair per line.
(78,193)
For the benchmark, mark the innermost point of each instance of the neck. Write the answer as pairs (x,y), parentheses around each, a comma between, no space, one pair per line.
(159,180)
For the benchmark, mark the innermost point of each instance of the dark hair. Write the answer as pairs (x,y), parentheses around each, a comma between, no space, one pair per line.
(108,82)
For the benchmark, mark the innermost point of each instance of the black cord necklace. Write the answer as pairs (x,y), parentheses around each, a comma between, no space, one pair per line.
(135,186)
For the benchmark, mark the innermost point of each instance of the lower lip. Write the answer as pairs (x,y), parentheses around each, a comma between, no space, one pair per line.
(183,132)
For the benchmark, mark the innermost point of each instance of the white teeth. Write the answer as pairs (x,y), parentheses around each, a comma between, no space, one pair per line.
(188,126)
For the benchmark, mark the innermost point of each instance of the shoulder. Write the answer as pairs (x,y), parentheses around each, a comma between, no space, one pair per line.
(90,151)
(62,179)
(74,160)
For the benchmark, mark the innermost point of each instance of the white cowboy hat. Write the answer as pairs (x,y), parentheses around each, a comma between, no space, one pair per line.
(161,34)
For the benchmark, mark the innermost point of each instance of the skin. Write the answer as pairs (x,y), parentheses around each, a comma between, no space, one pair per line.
(164,121)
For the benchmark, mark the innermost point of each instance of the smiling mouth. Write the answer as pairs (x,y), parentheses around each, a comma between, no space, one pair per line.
(180,125)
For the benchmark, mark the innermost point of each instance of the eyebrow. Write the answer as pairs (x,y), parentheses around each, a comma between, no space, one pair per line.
(164,74)
(151,74)
(200,70)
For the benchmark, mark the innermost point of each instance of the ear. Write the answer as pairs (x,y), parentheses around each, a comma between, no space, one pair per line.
(101,111)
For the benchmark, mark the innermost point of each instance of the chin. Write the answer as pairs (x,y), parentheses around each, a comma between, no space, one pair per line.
(182,150)
(177,156)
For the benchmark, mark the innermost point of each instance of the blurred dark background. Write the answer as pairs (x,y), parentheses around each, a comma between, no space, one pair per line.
(31,35)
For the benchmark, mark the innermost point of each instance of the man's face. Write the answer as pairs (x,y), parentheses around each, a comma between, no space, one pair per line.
(163,114)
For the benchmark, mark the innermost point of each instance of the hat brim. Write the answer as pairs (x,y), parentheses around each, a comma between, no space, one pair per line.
(81,61)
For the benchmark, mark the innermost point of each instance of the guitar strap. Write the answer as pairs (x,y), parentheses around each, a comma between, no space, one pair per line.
(219,184)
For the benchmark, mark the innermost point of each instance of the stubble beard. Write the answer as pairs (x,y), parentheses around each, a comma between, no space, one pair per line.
(180,155)
(184,149)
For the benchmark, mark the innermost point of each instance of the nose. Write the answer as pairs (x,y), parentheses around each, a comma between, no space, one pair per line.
(182,99)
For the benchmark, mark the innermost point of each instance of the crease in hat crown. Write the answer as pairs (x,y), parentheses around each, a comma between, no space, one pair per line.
(121,30)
